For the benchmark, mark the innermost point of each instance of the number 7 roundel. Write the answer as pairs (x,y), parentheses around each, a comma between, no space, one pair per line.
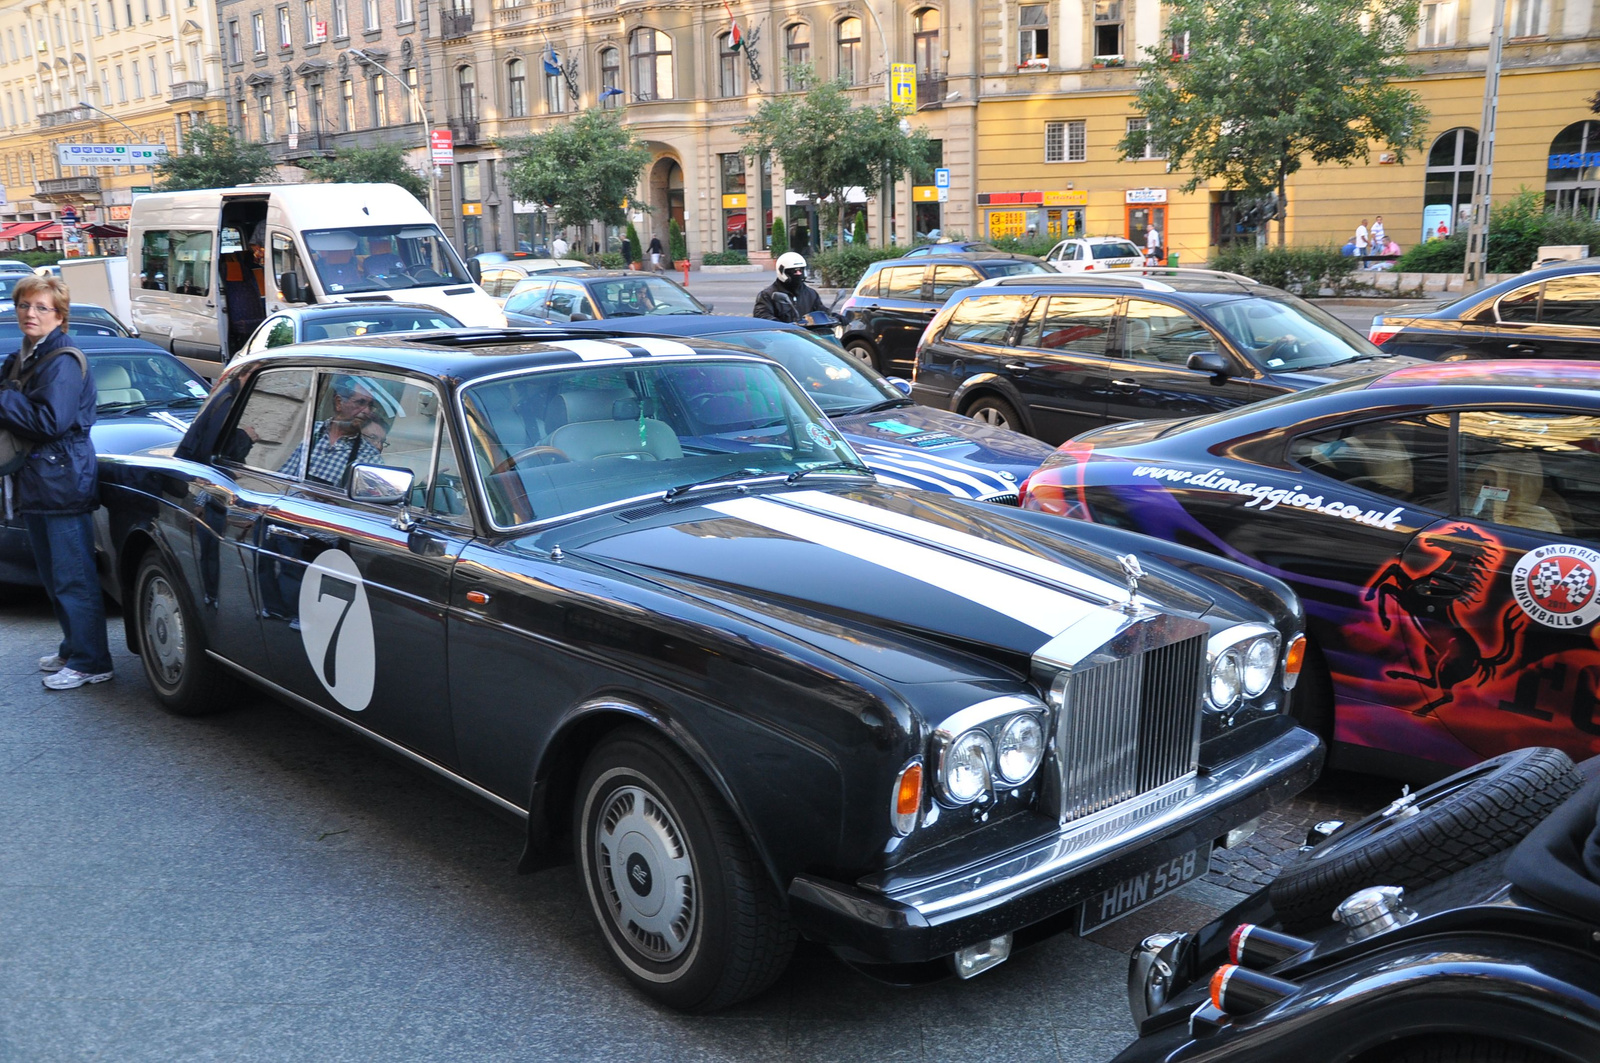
(336,628)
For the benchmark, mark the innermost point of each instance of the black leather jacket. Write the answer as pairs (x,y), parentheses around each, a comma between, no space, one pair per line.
(774,302)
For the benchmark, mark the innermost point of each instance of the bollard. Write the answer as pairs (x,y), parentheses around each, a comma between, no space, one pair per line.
(686,273)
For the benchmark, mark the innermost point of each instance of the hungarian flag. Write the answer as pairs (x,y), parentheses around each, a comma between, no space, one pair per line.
(735,38)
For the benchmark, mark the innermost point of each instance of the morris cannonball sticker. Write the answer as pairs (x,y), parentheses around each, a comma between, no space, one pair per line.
(821,436)
(336,628)
(1556,585)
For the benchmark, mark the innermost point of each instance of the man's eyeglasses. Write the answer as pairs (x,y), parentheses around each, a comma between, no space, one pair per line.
(36,309)
(361,400)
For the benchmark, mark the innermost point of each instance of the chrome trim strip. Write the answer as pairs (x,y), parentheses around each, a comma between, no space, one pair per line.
(409,754)
(1093,839)
(963,720)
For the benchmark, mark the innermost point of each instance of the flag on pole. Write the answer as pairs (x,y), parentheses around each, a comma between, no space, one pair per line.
(735,38)
(552,63)
(610,90)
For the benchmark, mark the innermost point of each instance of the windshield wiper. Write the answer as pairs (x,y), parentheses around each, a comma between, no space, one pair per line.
(885,404)
(125,407)
(832,466)
(680,490)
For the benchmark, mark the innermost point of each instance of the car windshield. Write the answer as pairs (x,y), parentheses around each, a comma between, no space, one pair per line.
(380,258)
(137,379)
(371,321)
(835,381)
(640,295)
(1115,249)
(1284,334)
(547,444)
(1013,268)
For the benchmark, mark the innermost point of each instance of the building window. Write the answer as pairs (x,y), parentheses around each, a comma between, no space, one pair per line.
(849,53)
(555,90)
(1108,29)
(925,41)
(1436,24)
(1447,183)
(284,40)
(268,131)
(138,82)
(370,9)
(347,93)
(610,78)
(94,13)
(122,87)
(471,188)
(380,102)
(796,53)
(308,14)
(1150,151)
(291,108)
(244,119)
(651,53)
(727,66)
(413,109)
(318,108)
(1065,142)
(517,89)
(466,93)
(105,84)
(258,33)
(341,18)
(155,86)
(1033,41)
(403,12)
(1180,45)
(1573,187)
(1528,18)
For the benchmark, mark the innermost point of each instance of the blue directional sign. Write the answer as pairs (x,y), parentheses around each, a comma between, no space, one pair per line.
(110,154)
(941,178)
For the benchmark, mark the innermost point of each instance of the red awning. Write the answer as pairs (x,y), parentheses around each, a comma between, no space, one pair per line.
(51,231)
(103,232)
(21,228)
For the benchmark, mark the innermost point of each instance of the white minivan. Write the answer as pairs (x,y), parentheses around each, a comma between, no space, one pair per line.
(191,256)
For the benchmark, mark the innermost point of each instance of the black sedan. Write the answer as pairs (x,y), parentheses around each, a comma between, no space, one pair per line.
(1057,355)
(641,595)
(337,321)
(1441,523)
(146,399)
(596,294)
(1552,312)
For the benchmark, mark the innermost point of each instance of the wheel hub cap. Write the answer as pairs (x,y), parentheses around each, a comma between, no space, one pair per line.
(646,873)
(164,634)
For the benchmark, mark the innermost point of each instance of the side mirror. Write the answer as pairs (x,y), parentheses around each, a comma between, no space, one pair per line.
(901,384)
(475,271)
(381,485)
(289,285)
(1210,362)
(579,315)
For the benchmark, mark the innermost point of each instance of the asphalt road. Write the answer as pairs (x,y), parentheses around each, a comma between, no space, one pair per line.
(255,885)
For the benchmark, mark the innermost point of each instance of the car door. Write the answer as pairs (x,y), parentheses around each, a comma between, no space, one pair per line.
(896,318)
(530,300)
(569,301)
(354,600)
(1061,363)
(1152,379)
(1569,320)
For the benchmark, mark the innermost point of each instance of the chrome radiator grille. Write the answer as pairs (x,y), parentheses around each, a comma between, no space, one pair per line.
(1129,725)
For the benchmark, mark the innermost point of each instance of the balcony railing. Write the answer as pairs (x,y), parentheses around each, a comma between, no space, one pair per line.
(464,131)
(188,90)
(930,88)
(454,24)
(60,186)
(51,119)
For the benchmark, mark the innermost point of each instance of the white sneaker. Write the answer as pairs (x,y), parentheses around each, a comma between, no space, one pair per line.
(71,679)
(52,663)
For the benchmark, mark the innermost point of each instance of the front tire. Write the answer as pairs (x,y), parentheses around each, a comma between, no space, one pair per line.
(995,412)
(681,899)
(862,352)
(172,645)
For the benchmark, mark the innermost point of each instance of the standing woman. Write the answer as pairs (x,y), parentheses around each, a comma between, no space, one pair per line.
(48,398)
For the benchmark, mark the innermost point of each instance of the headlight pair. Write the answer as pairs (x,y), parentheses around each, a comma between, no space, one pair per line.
(1242,661)
(995,743)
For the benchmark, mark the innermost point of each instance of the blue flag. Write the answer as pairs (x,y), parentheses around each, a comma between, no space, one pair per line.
(552,64)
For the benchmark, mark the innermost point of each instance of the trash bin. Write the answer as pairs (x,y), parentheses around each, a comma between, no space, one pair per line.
(1172,259)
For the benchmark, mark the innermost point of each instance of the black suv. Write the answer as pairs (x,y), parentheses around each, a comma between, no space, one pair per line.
(1552,312)
(1056,355)
(895,300)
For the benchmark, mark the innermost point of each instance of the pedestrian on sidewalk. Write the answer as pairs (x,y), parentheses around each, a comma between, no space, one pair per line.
(47,399)
(558,247)
(1363,241)
(655,253)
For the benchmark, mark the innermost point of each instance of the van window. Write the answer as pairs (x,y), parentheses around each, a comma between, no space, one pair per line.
(286,260)
(153,261)
(176,261)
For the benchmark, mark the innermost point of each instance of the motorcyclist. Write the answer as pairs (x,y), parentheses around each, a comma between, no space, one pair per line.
(788,298)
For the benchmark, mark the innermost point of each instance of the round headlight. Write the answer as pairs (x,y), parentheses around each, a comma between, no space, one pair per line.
(1020,749)
(1260,664)
(1225,679)
(966,768)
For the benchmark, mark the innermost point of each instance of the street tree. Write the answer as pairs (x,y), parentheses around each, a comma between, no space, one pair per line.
(827,145)
(212,157)
(1259,86)
(353,165)
(584,169)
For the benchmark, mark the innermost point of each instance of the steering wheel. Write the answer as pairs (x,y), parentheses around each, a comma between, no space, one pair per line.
(555,454)
(1284,346)
(428,276)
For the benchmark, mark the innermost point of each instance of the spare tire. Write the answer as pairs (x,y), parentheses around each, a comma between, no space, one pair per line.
(1426,836)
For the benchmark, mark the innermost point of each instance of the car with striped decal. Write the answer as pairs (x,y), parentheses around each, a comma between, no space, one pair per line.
(643,596)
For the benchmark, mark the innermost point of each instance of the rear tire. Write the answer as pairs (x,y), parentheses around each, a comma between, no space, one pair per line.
(995,412)
(681,899)
(172,645)
(863,353)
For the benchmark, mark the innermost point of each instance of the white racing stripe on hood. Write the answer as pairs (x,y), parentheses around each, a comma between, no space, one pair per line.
(912,464)
(657,345)
(923,479)
(1042,608)
(995,553)
(593,350)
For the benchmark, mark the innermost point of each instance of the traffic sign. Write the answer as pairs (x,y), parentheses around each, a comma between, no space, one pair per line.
(903,87)
(110,154)
(941,178)
(443,145)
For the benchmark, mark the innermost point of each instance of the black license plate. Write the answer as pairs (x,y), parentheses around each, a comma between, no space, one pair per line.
(1136,891)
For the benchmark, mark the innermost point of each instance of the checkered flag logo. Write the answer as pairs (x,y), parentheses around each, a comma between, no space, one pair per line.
(1578,583)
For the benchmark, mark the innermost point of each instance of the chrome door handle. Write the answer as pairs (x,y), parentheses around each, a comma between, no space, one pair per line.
(1128,386)
(287,533)
(1018,367)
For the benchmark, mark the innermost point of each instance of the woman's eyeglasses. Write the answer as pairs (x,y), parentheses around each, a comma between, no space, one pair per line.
(36,309)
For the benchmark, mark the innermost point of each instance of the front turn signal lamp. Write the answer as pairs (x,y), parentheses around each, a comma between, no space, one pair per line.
(1293,661)
(907,799)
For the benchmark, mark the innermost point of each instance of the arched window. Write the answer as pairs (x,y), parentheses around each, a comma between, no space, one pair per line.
(466,93)
(650,52)
(516,89)
(727,66)
(796,53)
(848,36)
(610,78)
(1572,183)
(925,41)
(1447,188)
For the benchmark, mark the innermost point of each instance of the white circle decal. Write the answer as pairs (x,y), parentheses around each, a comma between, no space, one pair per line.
(1556,585)
(336,628)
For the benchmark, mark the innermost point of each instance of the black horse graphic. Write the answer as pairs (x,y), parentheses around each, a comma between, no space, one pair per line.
(1462,659)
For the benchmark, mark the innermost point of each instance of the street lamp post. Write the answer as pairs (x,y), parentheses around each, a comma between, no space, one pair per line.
(888,91)
(108,114)
(360,55)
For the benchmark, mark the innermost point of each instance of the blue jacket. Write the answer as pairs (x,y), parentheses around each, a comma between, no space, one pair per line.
(55,410)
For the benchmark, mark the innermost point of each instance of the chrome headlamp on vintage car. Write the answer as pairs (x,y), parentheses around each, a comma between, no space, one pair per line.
(1241,663)
(998,743)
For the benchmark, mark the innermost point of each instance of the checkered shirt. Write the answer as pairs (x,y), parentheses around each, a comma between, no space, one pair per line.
(330,458)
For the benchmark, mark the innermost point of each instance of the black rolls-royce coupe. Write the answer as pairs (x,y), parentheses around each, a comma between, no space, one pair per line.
(642,595)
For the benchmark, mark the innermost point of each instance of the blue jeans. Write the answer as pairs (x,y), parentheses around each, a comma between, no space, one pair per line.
(63,548)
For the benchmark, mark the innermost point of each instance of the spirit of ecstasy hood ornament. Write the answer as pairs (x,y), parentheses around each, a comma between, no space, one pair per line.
(1133,572)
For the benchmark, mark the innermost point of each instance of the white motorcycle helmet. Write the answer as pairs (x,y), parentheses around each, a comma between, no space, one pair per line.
(791,266)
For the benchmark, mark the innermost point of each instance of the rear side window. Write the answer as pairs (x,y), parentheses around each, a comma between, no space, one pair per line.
(947,279)
(175,260)
(902,282)
(1080,323)
(869,284)
(1120,249)
(984,319)
(1407,459)
(529,300)
(1572,301)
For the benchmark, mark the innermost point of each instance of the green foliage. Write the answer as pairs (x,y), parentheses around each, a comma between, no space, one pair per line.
(384,165)
(858,236)
(1303,270)
(635,248)
(1038,246)
(212,157)
(1272,83)
(584,169)
(780,237)
(607,260)
(826,144)
(1517,229)
(36,258)
(676,244)
(843,266)
(1435,256)
(725,258)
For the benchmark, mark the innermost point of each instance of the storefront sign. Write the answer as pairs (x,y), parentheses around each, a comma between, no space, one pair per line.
(903,87)
(118,212)
(442,143)
(1146,195)
(925,193)
(1575,161)
(1066,199)
(734,201)
(471,209)
(1003,223)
